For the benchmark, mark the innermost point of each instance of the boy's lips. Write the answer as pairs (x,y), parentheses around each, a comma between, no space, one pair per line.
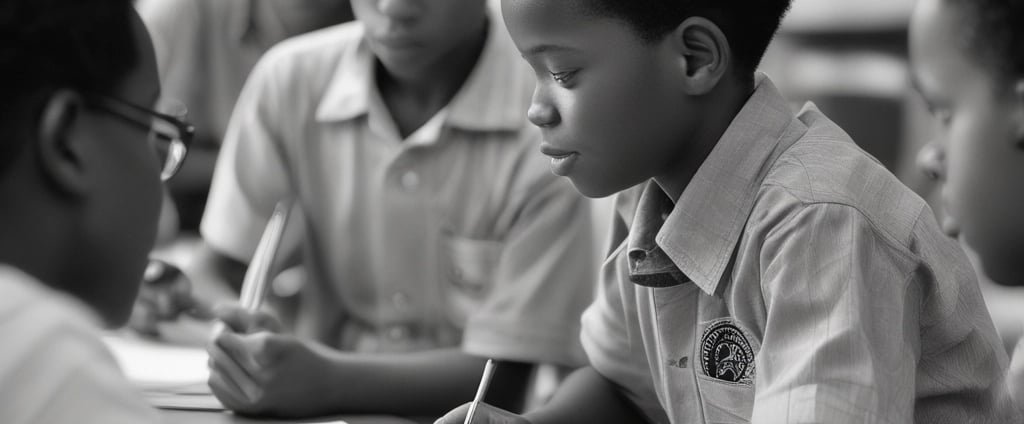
(562,161)
(555,153)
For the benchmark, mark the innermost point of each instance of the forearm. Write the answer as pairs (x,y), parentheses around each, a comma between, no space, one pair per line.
(587,397)
(427,383)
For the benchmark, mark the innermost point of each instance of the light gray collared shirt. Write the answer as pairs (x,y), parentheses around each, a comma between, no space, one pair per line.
(795,280)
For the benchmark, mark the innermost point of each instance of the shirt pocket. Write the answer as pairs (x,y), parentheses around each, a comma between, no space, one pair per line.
(468,268)
(724,402)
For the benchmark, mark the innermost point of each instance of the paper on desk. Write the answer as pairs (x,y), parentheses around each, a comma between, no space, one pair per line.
(170,376)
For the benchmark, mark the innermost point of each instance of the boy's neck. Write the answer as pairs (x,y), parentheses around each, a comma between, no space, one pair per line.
(37,250)
(727,99)
(413,101)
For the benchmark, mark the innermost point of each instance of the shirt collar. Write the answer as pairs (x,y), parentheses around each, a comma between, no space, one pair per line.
(495,97)
(701,232)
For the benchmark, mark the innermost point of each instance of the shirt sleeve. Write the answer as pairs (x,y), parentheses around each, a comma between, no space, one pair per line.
(544,278)
(93,390)
(59,371)
(841,337)
(252,174)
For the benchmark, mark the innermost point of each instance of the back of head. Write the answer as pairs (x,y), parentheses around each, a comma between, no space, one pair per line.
(45,45)
(748,25)
(995,34)
(79,182)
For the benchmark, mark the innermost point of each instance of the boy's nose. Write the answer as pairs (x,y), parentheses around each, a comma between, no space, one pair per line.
(542,115)
(400,9)
(931,160)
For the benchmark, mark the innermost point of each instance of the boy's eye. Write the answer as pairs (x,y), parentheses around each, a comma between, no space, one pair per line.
(562,77)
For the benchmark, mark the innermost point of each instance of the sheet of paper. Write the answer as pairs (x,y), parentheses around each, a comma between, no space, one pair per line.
(169,376)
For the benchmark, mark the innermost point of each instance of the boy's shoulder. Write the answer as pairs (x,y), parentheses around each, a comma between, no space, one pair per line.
(24,296)
(826,167)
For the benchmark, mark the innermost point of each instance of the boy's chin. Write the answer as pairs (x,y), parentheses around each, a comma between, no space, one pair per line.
(593,191)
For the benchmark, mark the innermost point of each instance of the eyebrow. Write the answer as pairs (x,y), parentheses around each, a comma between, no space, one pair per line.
(546,48)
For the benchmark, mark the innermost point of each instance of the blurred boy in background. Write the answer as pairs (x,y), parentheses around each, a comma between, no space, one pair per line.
(81,184)
(434,235)
(968,63)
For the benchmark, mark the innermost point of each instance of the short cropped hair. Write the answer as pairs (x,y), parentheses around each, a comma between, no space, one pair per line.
(995,34)
(749,25)
(45,45)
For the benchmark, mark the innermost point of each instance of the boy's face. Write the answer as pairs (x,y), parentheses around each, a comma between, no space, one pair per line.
(409,37)
(980,167)
(124,203)
(609,105)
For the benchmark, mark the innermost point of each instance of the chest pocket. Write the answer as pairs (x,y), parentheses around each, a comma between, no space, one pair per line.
(725,371)
(468,272)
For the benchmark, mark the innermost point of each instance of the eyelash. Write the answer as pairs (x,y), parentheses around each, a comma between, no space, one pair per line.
(562,77)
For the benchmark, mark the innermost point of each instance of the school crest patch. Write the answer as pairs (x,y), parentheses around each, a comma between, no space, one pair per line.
(726,353)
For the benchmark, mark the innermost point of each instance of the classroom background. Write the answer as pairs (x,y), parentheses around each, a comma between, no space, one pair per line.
(850,59)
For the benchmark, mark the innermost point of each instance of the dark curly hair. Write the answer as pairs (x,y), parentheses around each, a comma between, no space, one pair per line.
(995,34)
(45,45)
(749,25)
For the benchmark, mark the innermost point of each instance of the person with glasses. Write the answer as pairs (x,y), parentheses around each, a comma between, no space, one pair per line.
(83,156)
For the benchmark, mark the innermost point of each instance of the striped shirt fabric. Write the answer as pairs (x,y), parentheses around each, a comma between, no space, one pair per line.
(795,281)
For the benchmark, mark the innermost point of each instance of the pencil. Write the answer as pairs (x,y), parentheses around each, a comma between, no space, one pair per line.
(485,381)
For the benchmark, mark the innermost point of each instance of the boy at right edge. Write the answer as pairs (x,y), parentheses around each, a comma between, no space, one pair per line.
(764,269)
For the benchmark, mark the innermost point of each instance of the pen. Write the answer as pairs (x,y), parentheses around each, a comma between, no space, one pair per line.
(485,380)
(257,277)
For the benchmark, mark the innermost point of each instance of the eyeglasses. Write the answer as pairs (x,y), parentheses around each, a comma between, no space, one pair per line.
(169,133)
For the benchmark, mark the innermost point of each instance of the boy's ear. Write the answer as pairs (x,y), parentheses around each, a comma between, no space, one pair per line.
(704,53)
(1018,104)
(60,158)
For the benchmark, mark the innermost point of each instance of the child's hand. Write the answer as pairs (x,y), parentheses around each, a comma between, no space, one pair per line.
(485,414)
(255,370)
(164,296)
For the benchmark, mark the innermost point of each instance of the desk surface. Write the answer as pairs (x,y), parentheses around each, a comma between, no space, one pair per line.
(205,417)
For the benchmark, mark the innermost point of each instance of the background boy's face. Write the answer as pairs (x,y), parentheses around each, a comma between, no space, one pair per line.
(124,203)
(409,36)
(609,106)
(982,171)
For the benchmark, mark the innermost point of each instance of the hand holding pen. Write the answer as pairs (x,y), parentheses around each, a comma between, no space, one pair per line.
(477,412)
(255,369)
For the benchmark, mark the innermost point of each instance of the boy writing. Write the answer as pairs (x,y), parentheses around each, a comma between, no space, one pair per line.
(435,237)
(973,82)
(766,270)
(82,190)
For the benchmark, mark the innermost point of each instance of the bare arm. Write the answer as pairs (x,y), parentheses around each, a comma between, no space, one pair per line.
(425,383)
(585,397)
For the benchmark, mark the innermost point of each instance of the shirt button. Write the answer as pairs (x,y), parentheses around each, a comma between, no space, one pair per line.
(398,332)
(410,181)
